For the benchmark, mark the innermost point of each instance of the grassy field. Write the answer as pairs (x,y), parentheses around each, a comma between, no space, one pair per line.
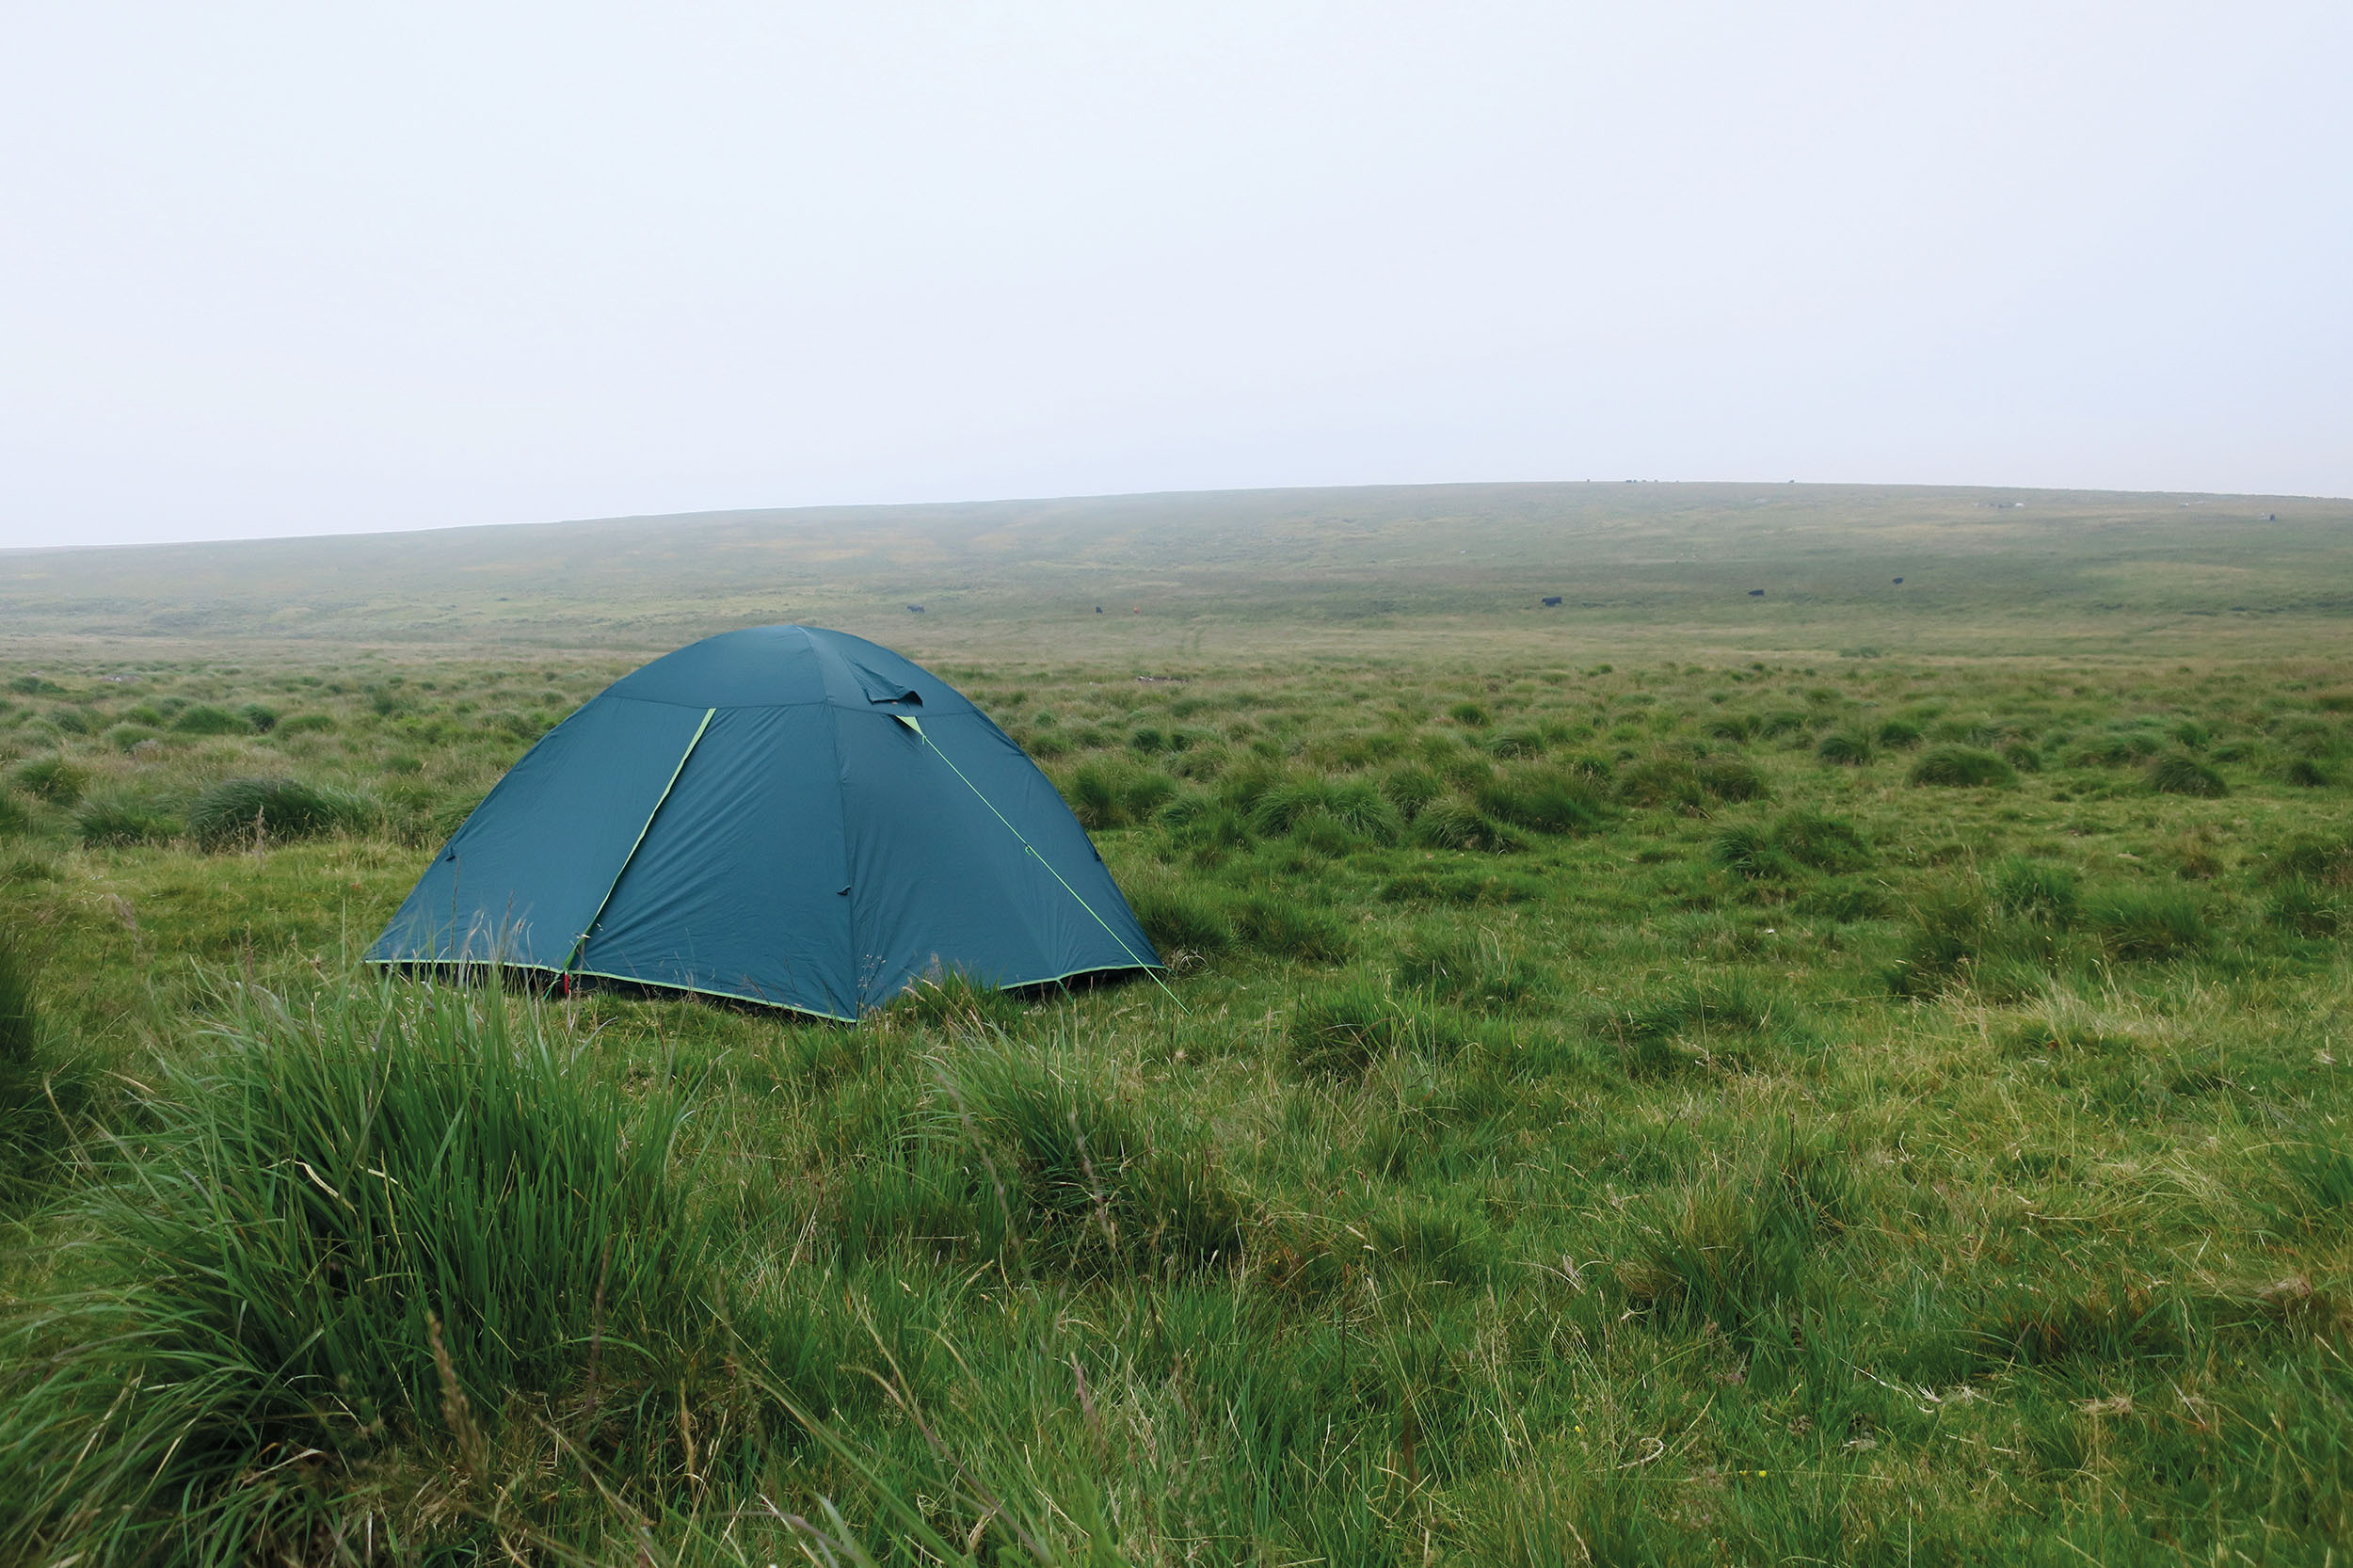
(1822,1077)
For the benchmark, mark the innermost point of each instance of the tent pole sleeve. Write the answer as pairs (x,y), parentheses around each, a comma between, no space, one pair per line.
(580,944)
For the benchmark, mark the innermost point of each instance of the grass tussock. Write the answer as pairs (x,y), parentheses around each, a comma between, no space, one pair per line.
(1077,1177)
(54,780)
(2322,859)
(1665,782)
(2038,890)
(1182,920)
(1748,851)
(1964,767)
(1733,1247)
(2309,910)
(1845,748)
(1730,779)
(1115,793)
(2181,774)
(240,812)
(1898,734)
(1823,841)
(20,1014)
(2144,922)
(348,1251)
(1962,932)
(1341,1032)
(1695,1025)
(1458,824)
(1543,800)
(954,1003)
(117,818)
(205,719)
(1468,970)
(1411,787)
(1284,928)
(1804,840)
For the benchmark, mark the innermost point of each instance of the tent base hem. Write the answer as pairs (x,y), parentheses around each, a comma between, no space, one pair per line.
(462,972)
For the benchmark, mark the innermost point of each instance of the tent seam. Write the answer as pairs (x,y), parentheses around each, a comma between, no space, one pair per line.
(580,944)
(848,874)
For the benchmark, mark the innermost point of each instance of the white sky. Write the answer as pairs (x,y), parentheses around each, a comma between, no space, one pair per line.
(306,268)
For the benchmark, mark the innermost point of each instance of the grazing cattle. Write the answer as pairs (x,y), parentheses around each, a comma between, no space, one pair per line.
(915,609)
(1552,601)
(1756,593)
(1899,581)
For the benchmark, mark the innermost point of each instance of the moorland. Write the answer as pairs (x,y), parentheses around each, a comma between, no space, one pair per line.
(1760,1061)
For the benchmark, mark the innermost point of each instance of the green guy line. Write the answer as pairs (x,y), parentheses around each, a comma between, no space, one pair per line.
(1148,968)
(586,931)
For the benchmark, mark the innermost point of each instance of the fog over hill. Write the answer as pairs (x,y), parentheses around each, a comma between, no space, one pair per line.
(1768,564)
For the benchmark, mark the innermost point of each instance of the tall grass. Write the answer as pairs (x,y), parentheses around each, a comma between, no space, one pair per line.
(2181,774)
(1661,781)
(1964,766)
(1897,732)
(1823,841)
(2038,890)
(1341,1032)
(1110,794)
(1095,1185)
(1468,970)
(2149,922)
(1689,1025)
(234,812)
(43,1092)
(54,780)
(1733,1247)
(1498,1192)
(20,1017)
(334,1269)
(1544,800)
(1456,824)
(117,819)
(205,719)
(1844,748)
(1182,919)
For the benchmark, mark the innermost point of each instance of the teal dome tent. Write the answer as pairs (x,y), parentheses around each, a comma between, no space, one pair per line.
(785,815)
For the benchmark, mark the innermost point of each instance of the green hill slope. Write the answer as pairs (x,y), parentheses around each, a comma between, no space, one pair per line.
(1768,565)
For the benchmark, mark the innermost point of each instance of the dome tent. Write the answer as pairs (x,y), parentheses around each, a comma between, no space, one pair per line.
(783,814)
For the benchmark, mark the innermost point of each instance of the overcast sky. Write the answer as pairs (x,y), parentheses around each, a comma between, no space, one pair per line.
(309,269)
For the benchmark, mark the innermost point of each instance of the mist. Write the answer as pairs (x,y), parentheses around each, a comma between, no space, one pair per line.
(274,270)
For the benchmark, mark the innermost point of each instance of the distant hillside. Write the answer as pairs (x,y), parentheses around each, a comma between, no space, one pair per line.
(1785,566)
